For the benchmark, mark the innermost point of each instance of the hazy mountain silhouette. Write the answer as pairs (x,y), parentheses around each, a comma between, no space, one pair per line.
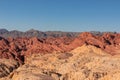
(36,33)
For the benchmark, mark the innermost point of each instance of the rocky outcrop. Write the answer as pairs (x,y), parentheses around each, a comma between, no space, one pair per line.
(97,47)
(7,66)
(20,47)
(88,63)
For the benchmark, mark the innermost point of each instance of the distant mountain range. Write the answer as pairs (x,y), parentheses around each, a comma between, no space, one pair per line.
(40,34)
(36,33)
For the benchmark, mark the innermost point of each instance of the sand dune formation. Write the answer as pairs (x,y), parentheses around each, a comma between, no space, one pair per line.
(72,56)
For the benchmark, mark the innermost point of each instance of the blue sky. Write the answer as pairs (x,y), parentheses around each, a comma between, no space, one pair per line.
(60,15)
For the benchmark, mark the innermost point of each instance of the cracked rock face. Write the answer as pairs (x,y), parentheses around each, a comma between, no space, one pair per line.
(7,66)
(83,63)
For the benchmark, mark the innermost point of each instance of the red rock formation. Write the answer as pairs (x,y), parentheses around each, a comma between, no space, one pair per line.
(20,47)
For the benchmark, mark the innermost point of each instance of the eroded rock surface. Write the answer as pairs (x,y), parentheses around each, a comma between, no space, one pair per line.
(88,63)
(85,57)
(7,66)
